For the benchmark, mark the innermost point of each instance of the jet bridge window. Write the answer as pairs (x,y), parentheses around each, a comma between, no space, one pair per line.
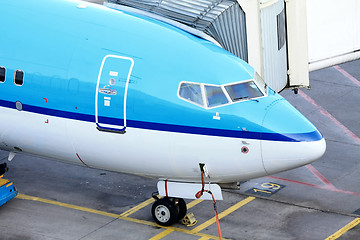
(243,91)
(19,78)
(191,92)
(215,96)
(281,31)
(2,74)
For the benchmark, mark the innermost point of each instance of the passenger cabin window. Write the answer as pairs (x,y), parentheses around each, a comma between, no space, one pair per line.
(2,74)
(191,92)
(243,91)
(215,96)
(19,78)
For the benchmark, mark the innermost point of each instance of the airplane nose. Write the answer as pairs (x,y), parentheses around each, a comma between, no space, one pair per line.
(291,140)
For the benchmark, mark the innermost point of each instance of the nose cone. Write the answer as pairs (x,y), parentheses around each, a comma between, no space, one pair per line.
(292,140)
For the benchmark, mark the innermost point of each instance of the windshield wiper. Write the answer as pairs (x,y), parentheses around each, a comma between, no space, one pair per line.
(239,98)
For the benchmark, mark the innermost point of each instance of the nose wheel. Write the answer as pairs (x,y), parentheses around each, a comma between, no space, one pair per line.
(166,211)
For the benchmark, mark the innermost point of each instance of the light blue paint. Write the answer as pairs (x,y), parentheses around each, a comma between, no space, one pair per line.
(61,47)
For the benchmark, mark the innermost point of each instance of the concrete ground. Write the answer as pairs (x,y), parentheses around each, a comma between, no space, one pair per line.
(320,201)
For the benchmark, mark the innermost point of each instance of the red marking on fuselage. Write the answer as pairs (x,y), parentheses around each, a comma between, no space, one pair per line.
(45,99)
(47,121)
(81,160)
(245,150)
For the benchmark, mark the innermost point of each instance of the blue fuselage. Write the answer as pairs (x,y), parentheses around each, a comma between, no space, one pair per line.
(60,47)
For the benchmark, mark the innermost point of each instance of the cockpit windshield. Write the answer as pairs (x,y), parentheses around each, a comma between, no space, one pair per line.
(210,96)
(243,91)
(215,96)
(191,92)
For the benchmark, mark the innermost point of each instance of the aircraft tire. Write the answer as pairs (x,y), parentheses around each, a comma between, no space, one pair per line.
(182,208)
(165,212)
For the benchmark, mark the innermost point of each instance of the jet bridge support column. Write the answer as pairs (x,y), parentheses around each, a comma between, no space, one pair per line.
(285,65)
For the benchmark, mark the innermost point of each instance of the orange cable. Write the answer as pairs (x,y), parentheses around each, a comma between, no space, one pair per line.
(200,193)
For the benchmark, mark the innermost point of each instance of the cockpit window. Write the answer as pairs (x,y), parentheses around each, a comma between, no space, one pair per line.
(261,83)
(215,96)
(191,92)
(211,96)
(243,91)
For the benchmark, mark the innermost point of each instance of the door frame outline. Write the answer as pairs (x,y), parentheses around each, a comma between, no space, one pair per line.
(125,93)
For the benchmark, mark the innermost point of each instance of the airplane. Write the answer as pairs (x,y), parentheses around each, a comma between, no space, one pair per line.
(119,91)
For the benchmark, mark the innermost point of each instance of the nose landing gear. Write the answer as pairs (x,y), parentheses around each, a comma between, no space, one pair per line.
(166,211)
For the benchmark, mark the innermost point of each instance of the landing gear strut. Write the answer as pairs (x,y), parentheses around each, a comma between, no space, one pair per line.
(166,211)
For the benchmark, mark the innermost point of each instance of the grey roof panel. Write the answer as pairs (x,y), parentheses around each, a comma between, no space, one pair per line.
(223,20)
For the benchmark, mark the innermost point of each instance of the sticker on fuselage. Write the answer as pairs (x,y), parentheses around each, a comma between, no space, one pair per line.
(217,116)
(265,189)
(107,91)
(113,73)
(245,150)
(107,101)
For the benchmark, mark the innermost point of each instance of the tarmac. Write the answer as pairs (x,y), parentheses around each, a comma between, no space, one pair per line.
(319,201)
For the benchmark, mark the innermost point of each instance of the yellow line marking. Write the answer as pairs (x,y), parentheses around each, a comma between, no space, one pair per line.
(193,203)
(84,209)
(148,223)
(129,219)
(343,230)
(162,234)
(137,208)
(203,238)
(223,214)
(9,185)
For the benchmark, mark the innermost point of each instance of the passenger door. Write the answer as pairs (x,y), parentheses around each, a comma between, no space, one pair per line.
(111,93)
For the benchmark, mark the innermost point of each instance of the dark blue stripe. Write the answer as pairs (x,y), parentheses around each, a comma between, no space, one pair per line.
(112,121)
(295,137)
(7,104)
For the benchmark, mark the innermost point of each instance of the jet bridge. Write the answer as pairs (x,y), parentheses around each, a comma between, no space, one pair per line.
(254,30)
(223,21)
